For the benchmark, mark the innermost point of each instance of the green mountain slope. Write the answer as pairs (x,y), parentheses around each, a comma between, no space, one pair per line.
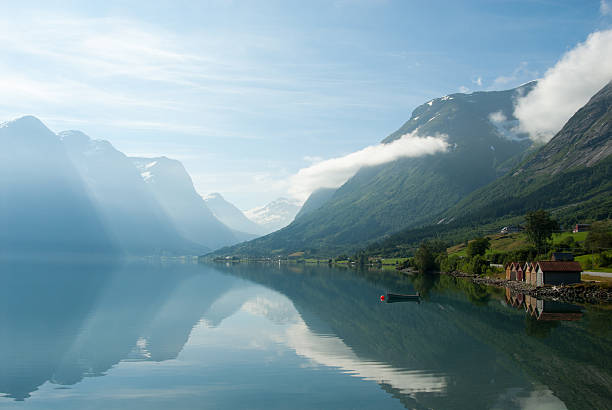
(573,167)
(410,192)
(570,175)
(315,201)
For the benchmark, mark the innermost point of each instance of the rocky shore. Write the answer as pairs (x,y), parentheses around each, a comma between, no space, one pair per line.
(591,293)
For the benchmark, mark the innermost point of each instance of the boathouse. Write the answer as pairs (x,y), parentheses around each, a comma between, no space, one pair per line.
(509,268)
(520,271)
(529,272)
(556,273)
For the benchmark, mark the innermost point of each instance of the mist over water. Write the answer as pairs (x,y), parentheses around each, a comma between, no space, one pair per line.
(154,334)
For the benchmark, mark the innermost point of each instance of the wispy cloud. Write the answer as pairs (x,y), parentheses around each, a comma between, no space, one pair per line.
(334,172)
(605,8)
(522,73)
(566,87)
(134,72)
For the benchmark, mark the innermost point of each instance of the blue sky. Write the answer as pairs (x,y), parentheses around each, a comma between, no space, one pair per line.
(246,93)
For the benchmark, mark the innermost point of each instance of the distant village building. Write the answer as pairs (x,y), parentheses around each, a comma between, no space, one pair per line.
(581,228)
(510,229)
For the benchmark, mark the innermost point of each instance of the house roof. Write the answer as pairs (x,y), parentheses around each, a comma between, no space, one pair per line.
(560,266)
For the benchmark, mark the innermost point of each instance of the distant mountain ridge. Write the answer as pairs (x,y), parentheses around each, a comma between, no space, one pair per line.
(173,188)
(69,194)
(128,208)
(230,215)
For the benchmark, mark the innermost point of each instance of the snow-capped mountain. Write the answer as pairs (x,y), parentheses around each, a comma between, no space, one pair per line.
(231,216)
(275,215)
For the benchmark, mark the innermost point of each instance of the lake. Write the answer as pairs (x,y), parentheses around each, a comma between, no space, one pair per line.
(170,335)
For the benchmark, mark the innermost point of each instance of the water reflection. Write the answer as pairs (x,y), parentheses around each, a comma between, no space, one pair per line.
(268,332)
(543,309)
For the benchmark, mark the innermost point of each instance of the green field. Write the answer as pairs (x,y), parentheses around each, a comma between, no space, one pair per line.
(511,242)
(589,257)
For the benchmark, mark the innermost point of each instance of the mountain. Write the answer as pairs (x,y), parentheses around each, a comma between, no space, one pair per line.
(411,192)
(45,206)
(173,188)
(573,167)
(570,176)
(315,201)
(129,210)
(583,141)
(275,215)
(231,216)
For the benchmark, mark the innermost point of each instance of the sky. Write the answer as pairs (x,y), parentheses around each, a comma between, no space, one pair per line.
(248,93)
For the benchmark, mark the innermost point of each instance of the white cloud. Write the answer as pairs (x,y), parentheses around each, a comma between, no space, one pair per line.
(478,81)
(497,117)
(463,89)
(566,87)
(605,8)
(334,172)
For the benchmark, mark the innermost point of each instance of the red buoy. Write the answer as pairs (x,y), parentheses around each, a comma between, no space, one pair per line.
(382,298)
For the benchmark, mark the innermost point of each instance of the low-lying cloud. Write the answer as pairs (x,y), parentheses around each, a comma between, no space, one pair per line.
(334,172)
(566,87)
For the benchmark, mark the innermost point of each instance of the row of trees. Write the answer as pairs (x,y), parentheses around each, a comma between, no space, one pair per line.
(432,256)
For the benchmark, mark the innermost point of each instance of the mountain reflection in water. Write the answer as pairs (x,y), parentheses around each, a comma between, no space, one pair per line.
(255,336)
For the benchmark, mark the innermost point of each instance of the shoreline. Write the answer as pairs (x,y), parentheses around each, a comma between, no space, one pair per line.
(580,293)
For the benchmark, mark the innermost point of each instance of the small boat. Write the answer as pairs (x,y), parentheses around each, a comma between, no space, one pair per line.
(395,297)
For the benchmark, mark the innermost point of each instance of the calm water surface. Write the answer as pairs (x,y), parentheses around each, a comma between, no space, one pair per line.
(183,336)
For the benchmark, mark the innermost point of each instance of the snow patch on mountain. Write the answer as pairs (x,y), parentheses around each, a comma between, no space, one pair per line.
(275,215)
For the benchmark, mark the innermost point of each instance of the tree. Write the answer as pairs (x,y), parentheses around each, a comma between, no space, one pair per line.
(478,246)
(425,256)
(599,238)
(539,228)
(478,265)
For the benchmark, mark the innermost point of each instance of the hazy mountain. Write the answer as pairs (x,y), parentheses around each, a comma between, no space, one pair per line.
(275,215)
(315,201)
(129,209)
(173,188)
(407,192)
(231,216)
(44,204)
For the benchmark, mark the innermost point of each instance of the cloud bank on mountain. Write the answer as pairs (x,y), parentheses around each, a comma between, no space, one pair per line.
(334,172)
(566,87)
